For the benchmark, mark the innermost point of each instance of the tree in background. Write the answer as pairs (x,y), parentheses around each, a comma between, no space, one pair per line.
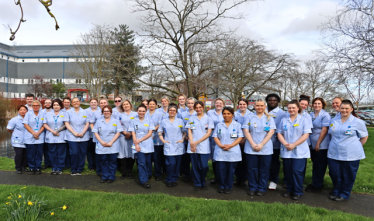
(59,89)
(39,86)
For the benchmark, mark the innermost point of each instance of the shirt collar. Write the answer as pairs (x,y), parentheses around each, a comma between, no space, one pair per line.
(296,120)
(274,111)
(233,122)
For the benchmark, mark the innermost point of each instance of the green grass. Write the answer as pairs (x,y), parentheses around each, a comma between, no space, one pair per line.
(87,205)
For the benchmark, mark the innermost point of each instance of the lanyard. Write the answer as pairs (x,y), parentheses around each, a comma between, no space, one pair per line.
(55,118)
(37,122)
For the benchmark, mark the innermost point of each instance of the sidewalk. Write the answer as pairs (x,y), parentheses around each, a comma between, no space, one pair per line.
(360,204)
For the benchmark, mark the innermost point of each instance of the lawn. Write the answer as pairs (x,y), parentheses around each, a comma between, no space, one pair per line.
(87,205)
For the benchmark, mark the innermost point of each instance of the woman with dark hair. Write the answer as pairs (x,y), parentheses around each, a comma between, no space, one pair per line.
(34,138)
(348,136)
(174,132)
(320,143)
(107,130)
(227,136)
(16,127)
(199,127)
(293,132)
(145,102)
(141,129)
(91,155)
(240,116)
(304,101)
(55,139)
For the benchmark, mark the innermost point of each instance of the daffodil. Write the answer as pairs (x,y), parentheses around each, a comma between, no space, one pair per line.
(30,203)
(9,197)
(52,213)
(8,203)
(64,207)
(19,196)
(23,188)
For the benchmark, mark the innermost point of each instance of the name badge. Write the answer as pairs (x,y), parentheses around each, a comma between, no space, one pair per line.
(136,127)
(146,125)
(84,116)
(55,128)
(132,118)
(133,147)
(193,127)
(186,119)
(348,132)
(234,135)
(285,127)
(267,127)
(296,125)
(97,145)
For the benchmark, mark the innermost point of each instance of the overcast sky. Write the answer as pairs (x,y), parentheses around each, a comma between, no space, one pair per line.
(290,26)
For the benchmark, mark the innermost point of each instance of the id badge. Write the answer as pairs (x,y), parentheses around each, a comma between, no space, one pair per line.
(267,129)
(133,147)
(136,127)
(36,129)
(348,132)
(97,145)
(193,127)
(55,128)
(234,135)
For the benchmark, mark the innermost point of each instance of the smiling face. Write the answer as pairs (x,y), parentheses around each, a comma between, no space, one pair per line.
(67,104)
(117,101)
(172,112)
(103,103)
(22,111)
(29,101)
(304,104)
(272,102)
(152,105)
(336,104)
(182,100)
(126,106)
(47,104)
(260,107)
(93,104)
(218,105)
(164,102)
(35,106)
(199,109)
(243,106)
(76,103)
(141,112)
(190,104)
(293,109)
(345,110)
(107,112)
(56,106)
(227,116)
(317,105)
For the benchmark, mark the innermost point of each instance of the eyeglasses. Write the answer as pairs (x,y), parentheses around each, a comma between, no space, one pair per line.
(35,105)
(117,101)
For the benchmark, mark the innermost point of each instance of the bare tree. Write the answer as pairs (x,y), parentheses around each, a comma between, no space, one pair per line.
(39,86)
(173,30)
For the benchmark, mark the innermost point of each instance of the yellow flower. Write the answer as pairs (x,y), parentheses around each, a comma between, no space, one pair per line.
(19,196)
(23,188)
(52,213)
(30,203)
(9,197)
(64,207)
(8,203)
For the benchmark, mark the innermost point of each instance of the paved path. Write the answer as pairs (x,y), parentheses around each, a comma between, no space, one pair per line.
(360,204)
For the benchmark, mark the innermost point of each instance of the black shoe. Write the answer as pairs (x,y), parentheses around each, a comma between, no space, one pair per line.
(123,176)
(31,172)
(227,191)
(187,179)
(24,169)
(286,194)
(73,173)
(339,198)
(220,190)
(174,184)
(312,189)
(145,185)
(214,181)
(260,193)
(99,174)
(129,176)
(197,188)
(296,197)
(53,172)
(251,192)
(157,178)
(19,172)
(205,187)
(110,181)
(58,172)
(239,183)
(169,184)
(102,181)
(38,172)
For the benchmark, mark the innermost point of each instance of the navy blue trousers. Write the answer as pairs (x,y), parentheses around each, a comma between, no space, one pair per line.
(20,159)
(78,152)
(173,164)
(108,165)
(294,174)
(319,167)
(275,166)
(57,154)
(34,155)
(200,167)
(185,168)
(47,159)
(241,169)
(225,173)
(67,159)
(144,163)
(343,176)
(91,154)
(158,159)
(258,167)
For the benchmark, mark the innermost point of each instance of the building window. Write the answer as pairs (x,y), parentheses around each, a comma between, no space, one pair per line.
(23,60)
(78,81)
(39,60)
(48,60)
(23,81)
(67,59)
(2,56)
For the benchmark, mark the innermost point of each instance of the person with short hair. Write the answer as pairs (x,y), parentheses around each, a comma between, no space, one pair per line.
(293,133)
(67,106)
(47,109)
(34,138)
(348,136)
(117,103)
(16,127)
(55,139)
(107,130)
(227,136)
(336,102)
(29,99)
(145,102)
(91,148)
(77,123)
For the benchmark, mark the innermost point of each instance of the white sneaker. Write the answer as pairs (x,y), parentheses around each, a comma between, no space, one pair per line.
(272,186)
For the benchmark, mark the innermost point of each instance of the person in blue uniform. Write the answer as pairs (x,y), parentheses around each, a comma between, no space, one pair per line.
(145,102)
(227,136)
(348,135)
(293,132)
(158,154)
(320,141)
(91,148)
(185,167)
(165,101)
(117,103)
(241,169)
(199,127)
(47,161)
(55,140)
(16,127)
(272,101)
(336,102)
(126,155)
(258,129)
(174,132)
(107,131)
(29,99)
(216,115)
(67,106)
(141,129)
(77,123)
(34,138)
(182,107)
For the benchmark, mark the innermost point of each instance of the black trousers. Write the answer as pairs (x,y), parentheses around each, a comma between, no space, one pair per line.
(127,165)
(20,159)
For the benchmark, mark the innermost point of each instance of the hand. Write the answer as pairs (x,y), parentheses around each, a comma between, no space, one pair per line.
(36,138)
(103,143)
(35,135)
(165,141)
(226,147)
(260,146)
(255,147)
(242,142)
(193,149)
(136,141)
(75,134)
(55,133)
(109,144)
(80,134)
(180,141)
(137,148)
(317,147)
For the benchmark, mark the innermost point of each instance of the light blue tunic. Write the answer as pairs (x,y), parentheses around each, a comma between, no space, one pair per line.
(256,127)
(185,116)
(165,114)
(322,120)
(95,116)
(35,122)
(91,114)
(173,132)
(216,119)
(277,114)
(126,144)
(106,132)
(77,121)
(16,124)
(156,118)
(200,129)
(224,135)
(54,122)
(141,129)
(181,111)
(345,142)
(239,118)
(292,131)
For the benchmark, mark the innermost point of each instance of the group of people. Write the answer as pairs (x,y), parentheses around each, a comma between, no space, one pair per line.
(240,144)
